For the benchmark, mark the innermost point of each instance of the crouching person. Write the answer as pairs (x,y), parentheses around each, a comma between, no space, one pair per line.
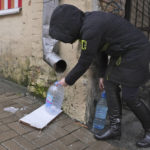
(129,52)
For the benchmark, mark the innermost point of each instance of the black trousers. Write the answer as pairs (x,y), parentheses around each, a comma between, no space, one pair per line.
(130,96)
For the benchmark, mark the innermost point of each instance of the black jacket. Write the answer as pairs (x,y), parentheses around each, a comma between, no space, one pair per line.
(103,34)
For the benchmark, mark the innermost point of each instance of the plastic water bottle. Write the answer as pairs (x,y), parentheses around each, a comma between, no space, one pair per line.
(55,97)
(101,113)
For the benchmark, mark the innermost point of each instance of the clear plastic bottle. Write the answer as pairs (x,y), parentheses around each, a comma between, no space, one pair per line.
(101,113)
(55,96)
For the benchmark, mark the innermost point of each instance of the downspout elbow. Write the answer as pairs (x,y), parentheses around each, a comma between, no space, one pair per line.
(50,57)
(55,62)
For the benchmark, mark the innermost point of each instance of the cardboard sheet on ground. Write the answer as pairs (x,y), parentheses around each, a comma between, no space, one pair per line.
(40,117)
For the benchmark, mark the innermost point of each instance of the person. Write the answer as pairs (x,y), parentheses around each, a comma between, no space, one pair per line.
(104,34)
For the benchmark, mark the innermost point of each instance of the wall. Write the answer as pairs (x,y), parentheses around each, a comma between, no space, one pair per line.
(21,56)
(75,96)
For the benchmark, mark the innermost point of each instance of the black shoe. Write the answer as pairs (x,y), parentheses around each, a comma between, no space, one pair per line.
(145,142)
(113,133)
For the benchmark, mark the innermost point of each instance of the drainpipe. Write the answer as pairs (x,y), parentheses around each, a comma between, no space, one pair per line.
(50,45)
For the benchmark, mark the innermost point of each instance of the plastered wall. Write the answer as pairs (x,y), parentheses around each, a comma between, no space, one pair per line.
(76,95)
(21,55)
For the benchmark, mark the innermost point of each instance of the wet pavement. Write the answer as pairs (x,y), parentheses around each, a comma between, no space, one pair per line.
(62,134)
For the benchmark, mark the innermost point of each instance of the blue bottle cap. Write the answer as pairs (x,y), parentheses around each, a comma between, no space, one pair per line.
(57,83)
(103,94)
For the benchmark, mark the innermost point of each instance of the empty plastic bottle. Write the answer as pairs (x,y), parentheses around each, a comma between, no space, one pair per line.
(55,96)
(101,113)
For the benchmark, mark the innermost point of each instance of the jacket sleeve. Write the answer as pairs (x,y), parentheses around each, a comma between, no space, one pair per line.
(88,53)
(103,61)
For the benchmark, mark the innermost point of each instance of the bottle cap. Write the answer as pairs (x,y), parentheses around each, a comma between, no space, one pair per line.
(103,94)
(56,83)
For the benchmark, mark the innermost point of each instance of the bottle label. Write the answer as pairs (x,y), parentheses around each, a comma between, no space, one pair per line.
(101,112)
(49,99)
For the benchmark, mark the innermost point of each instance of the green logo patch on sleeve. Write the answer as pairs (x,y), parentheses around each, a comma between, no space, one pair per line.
(83,44)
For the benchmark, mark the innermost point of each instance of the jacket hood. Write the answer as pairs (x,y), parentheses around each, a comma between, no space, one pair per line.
(65,23)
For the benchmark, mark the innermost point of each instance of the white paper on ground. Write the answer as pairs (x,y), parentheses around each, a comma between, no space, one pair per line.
(11,109)
(40,117)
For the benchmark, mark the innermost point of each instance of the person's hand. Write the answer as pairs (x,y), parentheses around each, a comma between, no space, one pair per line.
(62,82)
(101,84)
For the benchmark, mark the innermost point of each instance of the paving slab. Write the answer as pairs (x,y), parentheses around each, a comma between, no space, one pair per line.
(11,145)
(102,146)
(69,139)
(2,147)
(24,143)
(84,135)
(57,145)
(77,145)
(4,136)
(20,128)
